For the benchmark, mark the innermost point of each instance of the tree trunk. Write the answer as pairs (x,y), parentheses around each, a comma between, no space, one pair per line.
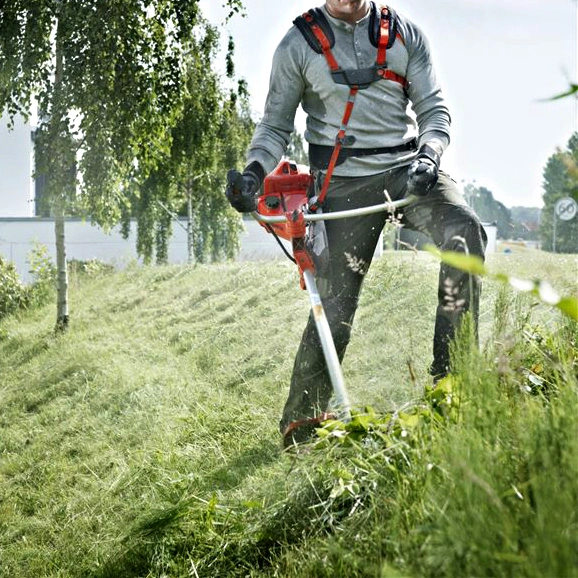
(62,316)
(59,203)
(190,237)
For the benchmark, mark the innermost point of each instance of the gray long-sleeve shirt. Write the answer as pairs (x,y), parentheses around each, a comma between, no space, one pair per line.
(380,118)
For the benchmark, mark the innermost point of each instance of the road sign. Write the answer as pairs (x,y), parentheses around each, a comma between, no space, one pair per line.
(566,208)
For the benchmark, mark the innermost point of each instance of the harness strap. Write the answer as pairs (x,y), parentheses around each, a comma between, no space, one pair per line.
(304,27)
(391,75)
(383,28)
(316,203)
(383,37)
(324,42)
(375,25)
(388,35)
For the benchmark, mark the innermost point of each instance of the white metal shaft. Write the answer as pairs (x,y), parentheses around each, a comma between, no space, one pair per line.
(342,404)
(362,211)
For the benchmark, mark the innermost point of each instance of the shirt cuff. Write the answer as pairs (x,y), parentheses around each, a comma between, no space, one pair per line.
(439,141)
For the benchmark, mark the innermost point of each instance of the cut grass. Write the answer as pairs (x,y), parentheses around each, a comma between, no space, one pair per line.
(144,442)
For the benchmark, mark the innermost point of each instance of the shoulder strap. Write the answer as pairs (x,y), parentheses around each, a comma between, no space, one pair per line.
(305,24)
(378,19)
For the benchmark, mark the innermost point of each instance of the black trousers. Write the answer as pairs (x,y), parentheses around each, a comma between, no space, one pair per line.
(442,214)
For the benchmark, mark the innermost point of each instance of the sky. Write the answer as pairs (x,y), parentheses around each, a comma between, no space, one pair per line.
(498,62)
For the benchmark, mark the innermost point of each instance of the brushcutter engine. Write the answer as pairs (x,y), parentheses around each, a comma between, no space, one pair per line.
(285,191)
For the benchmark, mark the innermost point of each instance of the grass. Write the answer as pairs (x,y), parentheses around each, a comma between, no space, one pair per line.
(144,442)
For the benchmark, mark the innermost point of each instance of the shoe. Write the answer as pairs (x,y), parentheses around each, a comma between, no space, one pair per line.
(438,377)
(303,430)
(438,371)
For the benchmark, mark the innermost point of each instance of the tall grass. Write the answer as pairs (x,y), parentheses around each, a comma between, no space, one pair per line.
(145,442)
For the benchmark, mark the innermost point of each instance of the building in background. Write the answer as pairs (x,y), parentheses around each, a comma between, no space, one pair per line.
(16,169)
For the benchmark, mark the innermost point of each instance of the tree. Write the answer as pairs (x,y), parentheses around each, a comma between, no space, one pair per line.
(211,134)
(220,240)
(108,79)
(489,210)
(296,149)
(560,180)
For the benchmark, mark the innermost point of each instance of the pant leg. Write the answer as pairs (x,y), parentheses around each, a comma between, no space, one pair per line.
(453,226)
(351,243)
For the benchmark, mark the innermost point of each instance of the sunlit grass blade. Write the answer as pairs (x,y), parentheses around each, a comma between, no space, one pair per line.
(469,263)
(570,92)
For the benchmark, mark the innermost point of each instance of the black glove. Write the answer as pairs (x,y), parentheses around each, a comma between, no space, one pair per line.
(242,187)
(423,171)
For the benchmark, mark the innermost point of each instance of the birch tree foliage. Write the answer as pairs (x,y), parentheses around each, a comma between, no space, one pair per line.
(119,92)
(216,226)
(118,88)
(211,134)
(107,78)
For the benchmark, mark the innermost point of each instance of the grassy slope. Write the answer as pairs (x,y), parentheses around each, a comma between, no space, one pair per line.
(166,393)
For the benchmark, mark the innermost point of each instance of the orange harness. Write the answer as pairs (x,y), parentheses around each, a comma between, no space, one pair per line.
(317,31)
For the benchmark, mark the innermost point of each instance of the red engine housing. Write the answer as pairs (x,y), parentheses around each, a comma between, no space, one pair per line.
(284,190)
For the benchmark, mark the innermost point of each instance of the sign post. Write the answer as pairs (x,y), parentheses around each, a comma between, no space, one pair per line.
(564,209)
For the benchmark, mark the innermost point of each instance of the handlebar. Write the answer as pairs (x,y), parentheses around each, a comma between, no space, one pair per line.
(362,211)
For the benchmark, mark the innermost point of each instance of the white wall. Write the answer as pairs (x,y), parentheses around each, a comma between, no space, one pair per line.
(16,168)
(257,243)
(492,233)
(85,241)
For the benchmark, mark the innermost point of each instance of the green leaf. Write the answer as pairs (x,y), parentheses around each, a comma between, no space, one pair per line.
(360,422)
(409,420)
(569,306)
(469,263)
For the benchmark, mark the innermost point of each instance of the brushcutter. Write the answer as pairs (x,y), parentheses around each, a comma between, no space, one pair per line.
(285,210)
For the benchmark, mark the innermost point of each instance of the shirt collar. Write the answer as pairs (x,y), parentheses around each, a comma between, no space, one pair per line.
(338,23)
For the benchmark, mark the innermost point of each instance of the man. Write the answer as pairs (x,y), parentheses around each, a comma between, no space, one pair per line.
(385,150)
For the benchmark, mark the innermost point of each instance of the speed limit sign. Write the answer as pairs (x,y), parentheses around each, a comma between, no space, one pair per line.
(566,208)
